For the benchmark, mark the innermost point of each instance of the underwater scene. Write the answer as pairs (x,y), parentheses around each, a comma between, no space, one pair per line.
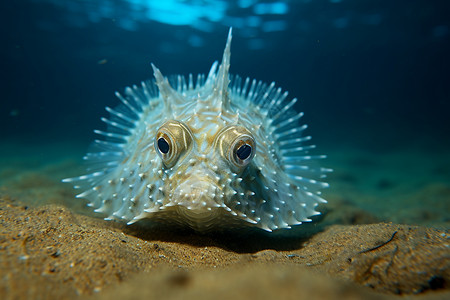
(212,149)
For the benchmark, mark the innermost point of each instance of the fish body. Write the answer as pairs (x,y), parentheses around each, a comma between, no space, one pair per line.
(214,152)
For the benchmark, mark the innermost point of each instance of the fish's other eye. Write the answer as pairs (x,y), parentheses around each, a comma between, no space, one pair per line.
(244,152)
(237,145)
(173,139)
(163,145)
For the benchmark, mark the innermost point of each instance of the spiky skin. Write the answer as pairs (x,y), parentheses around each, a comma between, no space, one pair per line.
(203,184)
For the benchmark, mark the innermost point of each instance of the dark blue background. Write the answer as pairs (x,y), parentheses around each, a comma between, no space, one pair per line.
(369,73)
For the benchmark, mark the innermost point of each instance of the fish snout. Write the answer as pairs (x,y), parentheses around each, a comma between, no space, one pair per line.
(197,193)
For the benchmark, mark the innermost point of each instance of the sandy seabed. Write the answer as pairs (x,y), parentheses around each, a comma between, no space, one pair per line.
(384,234)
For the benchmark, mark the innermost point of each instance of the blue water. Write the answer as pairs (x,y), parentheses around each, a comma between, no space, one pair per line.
(372,75)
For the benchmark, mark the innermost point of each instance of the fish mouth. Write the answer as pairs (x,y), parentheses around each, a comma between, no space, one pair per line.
(196,202)
(197,195)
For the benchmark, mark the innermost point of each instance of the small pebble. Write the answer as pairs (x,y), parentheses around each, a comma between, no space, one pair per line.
(55,254)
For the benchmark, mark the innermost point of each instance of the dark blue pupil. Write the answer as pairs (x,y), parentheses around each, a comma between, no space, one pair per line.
(244,151)
(163,146)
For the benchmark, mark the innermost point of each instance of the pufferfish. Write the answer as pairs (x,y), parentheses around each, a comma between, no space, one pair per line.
(215,152)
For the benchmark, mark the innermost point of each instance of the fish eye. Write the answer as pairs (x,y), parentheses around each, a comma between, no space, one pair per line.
(163,145)
(237,145)
(173,139)
(244,151)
